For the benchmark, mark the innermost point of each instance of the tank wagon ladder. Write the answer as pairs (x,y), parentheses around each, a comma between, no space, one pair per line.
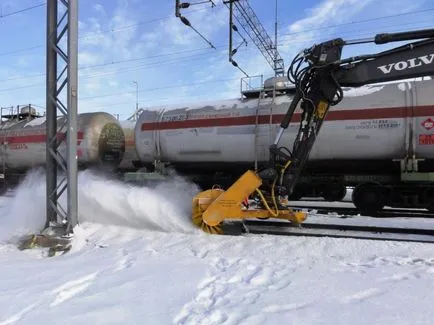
(258,143)
(157,139)
(260,96)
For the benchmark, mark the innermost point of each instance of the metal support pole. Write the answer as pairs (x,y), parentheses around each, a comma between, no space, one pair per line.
(51,111)
(58,158)
(72,115)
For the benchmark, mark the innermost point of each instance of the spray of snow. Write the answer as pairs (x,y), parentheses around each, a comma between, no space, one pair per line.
(165,207)
(25,212)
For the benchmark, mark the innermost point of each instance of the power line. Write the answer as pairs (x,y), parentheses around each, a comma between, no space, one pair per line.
(361,21)
(298,41)
(159,63)
(167,62)
(354,33)
(21,10)
(135,68)
(153,89)
(104,31)
(159,88)
(151,64)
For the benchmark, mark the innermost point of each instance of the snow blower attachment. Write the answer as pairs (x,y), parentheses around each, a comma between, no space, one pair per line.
(212,207)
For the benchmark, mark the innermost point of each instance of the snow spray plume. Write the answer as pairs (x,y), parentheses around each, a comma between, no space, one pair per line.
(25,212)
(165,207)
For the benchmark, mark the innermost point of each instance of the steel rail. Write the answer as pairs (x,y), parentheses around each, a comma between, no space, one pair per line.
(346,212)
(330,230)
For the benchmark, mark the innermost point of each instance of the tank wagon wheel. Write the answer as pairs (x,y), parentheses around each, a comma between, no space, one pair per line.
(200,203)
(334,192)
(430,200)
(369,197)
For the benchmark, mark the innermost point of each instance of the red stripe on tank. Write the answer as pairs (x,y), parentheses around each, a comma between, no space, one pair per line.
(353,114)
(37,138)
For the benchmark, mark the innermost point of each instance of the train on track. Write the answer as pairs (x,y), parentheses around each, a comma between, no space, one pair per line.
(379,140)
(100,140)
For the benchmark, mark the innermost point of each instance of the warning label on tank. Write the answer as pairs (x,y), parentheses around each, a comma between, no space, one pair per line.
(426,139)
(374,124)
(428,124)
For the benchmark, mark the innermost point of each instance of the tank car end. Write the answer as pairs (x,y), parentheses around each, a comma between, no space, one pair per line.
(104,145)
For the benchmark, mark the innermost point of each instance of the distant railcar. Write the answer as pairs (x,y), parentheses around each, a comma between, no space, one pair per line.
(101,142)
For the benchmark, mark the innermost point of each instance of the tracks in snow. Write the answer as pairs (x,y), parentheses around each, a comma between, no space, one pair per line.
(230,286)
(55,297)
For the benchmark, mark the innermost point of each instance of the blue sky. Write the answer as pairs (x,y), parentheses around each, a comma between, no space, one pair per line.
(121,41)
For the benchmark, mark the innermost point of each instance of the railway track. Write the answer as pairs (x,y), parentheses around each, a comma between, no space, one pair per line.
(347,212)
(406,234)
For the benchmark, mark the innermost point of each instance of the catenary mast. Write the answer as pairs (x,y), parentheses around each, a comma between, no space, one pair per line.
(62,84)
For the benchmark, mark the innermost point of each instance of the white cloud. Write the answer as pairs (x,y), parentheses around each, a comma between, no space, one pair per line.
(307,30)
(88,58)
(99,9)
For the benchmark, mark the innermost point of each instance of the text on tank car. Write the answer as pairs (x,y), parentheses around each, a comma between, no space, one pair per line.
(353,114)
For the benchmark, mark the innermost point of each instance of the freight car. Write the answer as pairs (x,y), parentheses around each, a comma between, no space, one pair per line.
(379,139)
(101,142)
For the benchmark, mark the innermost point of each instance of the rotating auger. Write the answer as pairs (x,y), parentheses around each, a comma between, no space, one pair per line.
(212,207)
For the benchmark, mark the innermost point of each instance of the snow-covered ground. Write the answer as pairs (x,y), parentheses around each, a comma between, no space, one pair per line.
(136,259)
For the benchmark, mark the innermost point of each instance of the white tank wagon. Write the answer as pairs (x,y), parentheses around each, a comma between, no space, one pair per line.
(377,135)
(131,159)
(100,142)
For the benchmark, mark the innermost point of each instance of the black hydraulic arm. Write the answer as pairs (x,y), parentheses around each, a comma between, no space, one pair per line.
(408,61)
(319,86)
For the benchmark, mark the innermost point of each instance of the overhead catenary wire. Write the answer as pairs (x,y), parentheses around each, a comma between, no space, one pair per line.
(118,71)
(361,21)
(137,59)
(155,99)
(354,33)
(21,10)
(104,31)
(203,9)
(110,63)
(297,41)
(159,88)
(114,72)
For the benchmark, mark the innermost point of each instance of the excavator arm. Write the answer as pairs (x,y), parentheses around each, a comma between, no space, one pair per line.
(318,85)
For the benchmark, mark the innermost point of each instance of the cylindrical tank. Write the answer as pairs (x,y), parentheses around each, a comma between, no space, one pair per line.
(130,160)
(100,142)
(372,125)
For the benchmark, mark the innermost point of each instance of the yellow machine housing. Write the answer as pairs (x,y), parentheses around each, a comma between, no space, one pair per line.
(212,207)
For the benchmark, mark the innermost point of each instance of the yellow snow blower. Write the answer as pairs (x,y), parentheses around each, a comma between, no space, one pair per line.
(212,207)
